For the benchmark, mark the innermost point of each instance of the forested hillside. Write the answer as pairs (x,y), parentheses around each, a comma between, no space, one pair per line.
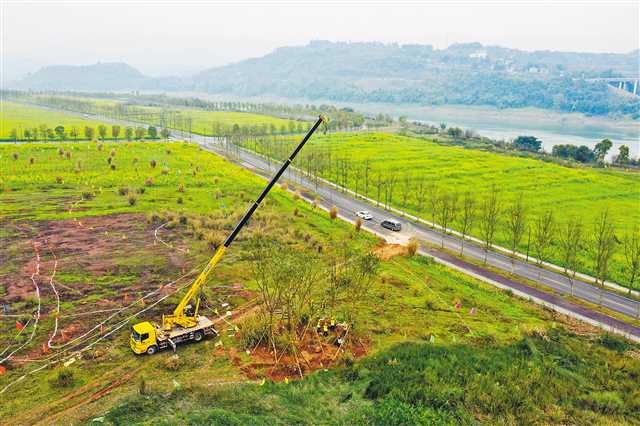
(462,74)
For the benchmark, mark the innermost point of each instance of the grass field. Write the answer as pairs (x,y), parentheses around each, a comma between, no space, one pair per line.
(580,192)
(442,348)
(15,116)
(216,123)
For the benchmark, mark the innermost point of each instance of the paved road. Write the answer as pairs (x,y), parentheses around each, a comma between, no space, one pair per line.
(347,205)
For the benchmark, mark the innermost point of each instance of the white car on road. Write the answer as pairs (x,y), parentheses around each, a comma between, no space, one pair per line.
(363,214)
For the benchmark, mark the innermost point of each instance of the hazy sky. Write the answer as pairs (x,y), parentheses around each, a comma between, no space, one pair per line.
(171,37)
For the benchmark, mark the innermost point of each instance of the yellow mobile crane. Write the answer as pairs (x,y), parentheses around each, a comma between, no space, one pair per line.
(184,324)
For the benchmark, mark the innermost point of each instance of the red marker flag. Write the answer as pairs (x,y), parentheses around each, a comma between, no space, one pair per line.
(19,325)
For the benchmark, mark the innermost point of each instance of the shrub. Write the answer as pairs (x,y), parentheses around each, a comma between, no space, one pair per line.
(99,146)
(358,224)
(87,195)
(218,194)
(613,342)
(412,247)
(123,191)
(284,185)
(60,152)
(603,402)
(296,211)
(216,180)
(31,160)
(153,164)
(135,160)
(242,195)
(168,152)
(132,200)
(181,188)
(254,331)
(179,200)
(142,386)
(213,239)
(59,179)
(333,212)
(63,379)
(15,155)
(109,160)
(165,171)
(141,190)
(148,181)
(113,153)
(173,362)
(113,167)
(67,154)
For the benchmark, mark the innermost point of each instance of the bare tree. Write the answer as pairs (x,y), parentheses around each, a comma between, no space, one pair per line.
(406,189)
(434,200)
(379,185)
(516,223)
(357,174)
(632,255)
(421,193)
(446,212)
(366,177)
(570,246)
(543,236)
(466,217)
(603,243)
(489,219)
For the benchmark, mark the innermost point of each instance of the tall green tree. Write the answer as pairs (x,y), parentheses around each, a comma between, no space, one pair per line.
(128,133)
(115,131)
(89,132)
(601,149)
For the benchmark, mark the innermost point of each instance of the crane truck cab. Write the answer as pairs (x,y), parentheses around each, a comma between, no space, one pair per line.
(147,337)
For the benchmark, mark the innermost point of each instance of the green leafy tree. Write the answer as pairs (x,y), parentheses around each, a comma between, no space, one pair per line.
(89,132)
(102,131)
(140,132)
(59,132)
(152,132)
(602,148)
(516,224)
(527,143)
(128,133)
(115,131)
(623,155)
(27,134)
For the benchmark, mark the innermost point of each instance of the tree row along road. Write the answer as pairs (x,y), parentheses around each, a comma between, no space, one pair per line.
(347,205)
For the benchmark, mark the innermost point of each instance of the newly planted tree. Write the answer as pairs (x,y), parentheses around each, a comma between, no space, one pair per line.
(603,244)
(466,217)
(489,215)
(632,256)
(516,223)
(571,243)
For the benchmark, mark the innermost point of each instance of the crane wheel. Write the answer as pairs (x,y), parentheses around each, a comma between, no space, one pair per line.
(152,350)
(197,336)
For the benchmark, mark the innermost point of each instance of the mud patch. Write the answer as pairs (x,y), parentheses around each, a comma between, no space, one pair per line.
(388,251)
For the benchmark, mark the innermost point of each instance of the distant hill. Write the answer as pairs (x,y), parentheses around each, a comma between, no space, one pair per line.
(469,74)
(464,74)
(98,77)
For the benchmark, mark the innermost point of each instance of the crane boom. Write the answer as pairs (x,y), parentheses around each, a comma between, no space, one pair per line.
(179,316)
